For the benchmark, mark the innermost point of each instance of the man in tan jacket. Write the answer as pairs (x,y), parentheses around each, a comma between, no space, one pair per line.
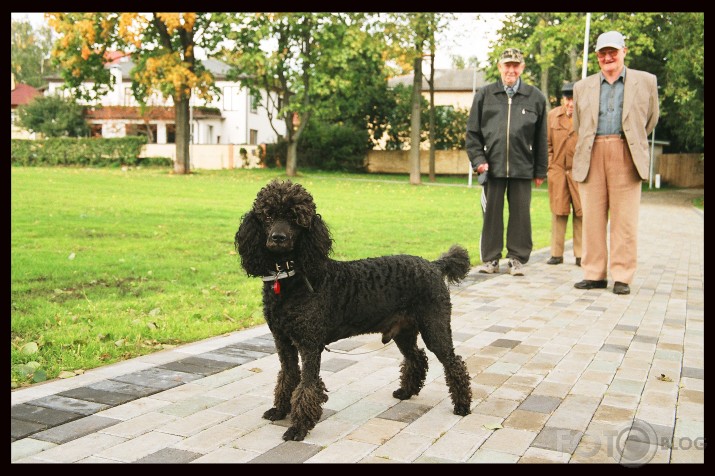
(563,189)
(614,112)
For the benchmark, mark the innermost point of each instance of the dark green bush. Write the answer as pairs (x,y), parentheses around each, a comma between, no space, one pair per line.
(333,147)
(85,152)
(276,154)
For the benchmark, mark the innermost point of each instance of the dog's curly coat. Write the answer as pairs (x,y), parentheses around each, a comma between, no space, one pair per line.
(316,300)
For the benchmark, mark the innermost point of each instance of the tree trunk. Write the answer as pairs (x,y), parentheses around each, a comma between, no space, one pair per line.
(183,133)
(573,65)
(416,120)
(292,158)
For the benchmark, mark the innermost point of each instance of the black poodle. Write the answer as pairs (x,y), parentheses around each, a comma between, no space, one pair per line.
(311,300)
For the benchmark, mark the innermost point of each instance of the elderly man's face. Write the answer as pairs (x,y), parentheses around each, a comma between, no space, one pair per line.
(510,72)
(611,59)
(568,105)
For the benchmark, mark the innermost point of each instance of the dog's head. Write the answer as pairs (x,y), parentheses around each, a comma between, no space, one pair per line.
(282,225)
(286,210)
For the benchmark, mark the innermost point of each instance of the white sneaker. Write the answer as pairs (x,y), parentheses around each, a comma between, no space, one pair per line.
(490,267)
(515,267)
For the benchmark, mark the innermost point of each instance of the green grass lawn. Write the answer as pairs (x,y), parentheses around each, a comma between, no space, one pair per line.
(107,265)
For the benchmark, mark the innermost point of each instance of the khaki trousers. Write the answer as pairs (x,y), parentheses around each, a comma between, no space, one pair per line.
(558,234)
(613,187)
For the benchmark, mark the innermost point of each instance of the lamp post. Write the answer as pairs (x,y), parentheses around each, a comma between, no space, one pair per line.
(584,68)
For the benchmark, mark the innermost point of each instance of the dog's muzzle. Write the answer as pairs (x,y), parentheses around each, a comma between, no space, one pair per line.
(280,238)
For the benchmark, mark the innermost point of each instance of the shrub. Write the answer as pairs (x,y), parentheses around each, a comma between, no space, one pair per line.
(87,152)
(333,147)
(53,116)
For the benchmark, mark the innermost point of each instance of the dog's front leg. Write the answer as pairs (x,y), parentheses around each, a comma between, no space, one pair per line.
(288,378)
(308,397)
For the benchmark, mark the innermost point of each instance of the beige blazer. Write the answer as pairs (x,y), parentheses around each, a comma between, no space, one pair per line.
(640,115)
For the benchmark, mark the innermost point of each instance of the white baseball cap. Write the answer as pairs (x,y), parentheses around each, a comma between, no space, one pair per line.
(610,39)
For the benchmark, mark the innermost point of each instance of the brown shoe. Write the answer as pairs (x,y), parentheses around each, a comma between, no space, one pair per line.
(589,284)
(621,288)
(555,260)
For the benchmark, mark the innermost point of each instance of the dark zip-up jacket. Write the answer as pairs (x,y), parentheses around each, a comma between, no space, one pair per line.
(509,135)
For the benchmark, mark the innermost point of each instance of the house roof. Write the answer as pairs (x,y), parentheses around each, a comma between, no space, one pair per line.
(117,60)
(151,113)
(22,94)
(445,80)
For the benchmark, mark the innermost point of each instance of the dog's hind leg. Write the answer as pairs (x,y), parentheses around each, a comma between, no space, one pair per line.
(437,336)
(288,379)
(308,397)
(413,370)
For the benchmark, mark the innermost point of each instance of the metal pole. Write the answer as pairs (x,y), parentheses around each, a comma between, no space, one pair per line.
(652,158)
(474,91)
(584,69)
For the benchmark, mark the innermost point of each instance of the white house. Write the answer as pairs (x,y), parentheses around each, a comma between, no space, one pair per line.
(235,117)
(452,87)
(20,94)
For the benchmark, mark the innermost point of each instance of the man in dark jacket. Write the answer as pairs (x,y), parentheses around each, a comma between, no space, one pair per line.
(506,139)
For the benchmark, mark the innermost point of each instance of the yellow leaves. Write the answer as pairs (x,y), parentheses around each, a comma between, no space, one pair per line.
(189,20)
(172,21)
(131,28)
(86,52)
(85,29)
(175,21)
(169,68)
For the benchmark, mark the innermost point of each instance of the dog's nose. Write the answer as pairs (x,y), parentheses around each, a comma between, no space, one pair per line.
(278,237)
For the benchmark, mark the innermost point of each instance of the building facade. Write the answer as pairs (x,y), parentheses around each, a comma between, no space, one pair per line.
(234,117)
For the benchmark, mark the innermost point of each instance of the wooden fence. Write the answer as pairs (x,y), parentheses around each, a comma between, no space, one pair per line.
(682,170)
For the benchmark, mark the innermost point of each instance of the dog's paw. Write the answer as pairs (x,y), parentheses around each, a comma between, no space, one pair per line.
(294,434)
(402,394)
(273,414)
(462,410)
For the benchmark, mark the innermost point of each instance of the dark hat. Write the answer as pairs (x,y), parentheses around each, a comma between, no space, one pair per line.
(567,90)
(511,55)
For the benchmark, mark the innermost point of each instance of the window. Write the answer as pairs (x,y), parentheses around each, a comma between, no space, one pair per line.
(147,130)
(95,130)
(253,137)
(171,133)
(129,97)
(209,134)
(231,98)
(255,102)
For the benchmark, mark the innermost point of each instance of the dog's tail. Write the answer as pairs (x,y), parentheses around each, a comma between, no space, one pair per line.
(454,264)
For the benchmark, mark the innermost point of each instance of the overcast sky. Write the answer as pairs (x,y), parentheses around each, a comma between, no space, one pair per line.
(466,36)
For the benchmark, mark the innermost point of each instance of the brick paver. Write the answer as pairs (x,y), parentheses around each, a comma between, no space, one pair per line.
(558,375)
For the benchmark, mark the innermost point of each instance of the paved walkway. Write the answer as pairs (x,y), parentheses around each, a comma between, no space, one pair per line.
(559,375)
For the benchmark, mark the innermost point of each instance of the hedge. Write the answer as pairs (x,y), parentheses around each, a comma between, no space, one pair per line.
(82,151)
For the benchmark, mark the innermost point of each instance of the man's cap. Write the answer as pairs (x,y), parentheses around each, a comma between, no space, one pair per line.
(567,90)
(610,39)
(511,55)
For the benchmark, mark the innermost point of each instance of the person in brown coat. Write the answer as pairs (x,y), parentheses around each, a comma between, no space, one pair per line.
(563,189)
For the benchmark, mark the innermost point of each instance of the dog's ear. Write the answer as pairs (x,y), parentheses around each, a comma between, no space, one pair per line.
(315,246)
(250,243)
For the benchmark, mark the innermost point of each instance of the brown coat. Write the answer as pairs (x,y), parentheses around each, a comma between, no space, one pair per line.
(561,139)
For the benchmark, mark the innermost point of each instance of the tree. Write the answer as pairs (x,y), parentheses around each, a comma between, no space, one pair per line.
(53,116)
(162,47)
(311,58)
(30,53)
